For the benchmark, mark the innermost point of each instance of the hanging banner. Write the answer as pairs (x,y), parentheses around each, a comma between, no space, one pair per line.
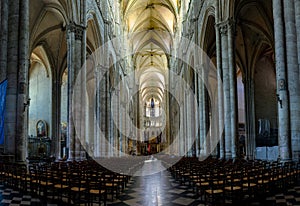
(3,86)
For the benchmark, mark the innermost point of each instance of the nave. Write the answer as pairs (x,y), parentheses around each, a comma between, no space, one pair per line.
(182,184)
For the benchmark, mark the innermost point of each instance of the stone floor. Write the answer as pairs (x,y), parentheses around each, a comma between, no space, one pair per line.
(153,190)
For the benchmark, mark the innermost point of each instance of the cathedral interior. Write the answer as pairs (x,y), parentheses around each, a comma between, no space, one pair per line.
(103,97)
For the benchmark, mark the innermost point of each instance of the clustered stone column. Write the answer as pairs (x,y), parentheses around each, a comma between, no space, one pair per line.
(293,76)
(297,17)
(204,142)
(14,66)
(286,17)
(226,90)
(75,35)
(250,117)
(225,39)
(3,39)
(103,114)
(220,95)
(232,85)
(220,114)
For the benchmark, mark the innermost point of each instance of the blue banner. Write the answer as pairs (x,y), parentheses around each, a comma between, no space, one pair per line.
(3,86)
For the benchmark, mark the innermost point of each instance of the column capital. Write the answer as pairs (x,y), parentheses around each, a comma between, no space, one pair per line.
(225,26)
(223,29)
(76,29)
(107,21)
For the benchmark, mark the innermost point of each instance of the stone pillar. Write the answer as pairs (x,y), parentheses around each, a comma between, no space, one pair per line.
(104,120)
(194,115)
(82,31)
(204,141)
(297,17)
(120,126)
(281,76)
(188,122)
(293,76)
(12,76)
(220,94)
(226,90)
(183,138)
(182,120)
(80,95)
(91,109)
(71,82)
(3,39)
(23,66)
(56,127)
(250,117)
(232,85)
(197,141)
(74,58)
(17,74)
(97,119)
(102,115)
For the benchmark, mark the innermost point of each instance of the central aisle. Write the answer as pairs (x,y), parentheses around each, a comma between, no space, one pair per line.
(155,190)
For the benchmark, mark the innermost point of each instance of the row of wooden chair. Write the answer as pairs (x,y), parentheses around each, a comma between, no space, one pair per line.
(217,180)
(84,182)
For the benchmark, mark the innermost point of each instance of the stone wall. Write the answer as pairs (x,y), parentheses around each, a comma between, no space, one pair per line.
(265,92)
(40,95)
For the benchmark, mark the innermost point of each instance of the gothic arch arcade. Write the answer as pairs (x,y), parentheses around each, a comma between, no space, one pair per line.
(120,88)
(249,60)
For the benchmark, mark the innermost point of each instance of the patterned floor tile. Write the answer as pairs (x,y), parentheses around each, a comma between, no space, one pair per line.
(183,201)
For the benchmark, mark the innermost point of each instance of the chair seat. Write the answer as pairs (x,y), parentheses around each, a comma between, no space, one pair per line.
(234,180)
(94,191)
(249,185)
(110,184)
(233,188)
(77,189)
(61,186)
(250,178)
(46,183)
(218,182)
(16,177)
(262,181)
(202,183)
(218,191)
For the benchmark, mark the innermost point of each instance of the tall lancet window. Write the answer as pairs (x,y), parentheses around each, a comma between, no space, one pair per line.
(152,108)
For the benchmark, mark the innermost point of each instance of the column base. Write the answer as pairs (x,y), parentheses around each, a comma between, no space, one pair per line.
(228,155)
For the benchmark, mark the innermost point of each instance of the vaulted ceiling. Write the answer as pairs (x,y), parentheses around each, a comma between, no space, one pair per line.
(151,25)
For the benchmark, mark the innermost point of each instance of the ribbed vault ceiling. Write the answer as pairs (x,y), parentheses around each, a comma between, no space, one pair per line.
(151,25)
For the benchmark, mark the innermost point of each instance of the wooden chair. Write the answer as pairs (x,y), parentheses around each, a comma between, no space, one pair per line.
(45,180)
(96,191)
(60,182)
(201,183)
(34,179)
(233,186)
(249,182)
(214,194)
(110,183)
(77,187)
